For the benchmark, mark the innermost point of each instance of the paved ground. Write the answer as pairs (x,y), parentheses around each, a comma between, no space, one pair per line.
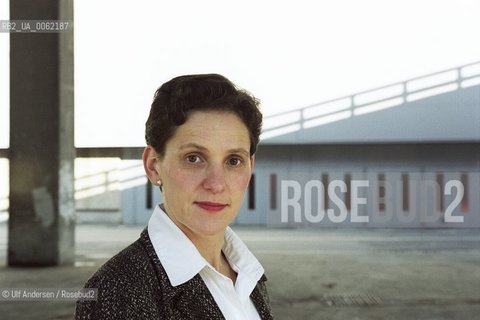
(313,274)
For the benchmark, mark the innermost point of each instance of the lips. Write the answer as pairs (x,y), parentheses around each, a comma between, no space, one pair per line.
(211,206)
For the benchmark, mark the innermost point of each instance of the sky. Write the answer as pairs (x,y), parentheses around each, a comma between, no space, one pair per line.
(289,54)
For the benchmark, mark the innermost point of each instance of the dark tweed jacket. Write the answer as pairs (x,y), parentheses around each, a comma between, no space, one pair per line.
(134,285)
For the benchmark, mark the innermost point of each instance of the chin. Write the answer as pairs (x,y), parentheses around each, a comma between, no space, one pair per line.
(212,228)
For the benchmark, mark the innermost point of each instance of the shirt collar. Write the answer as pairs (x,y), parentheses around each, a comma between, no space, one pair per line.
(178,255)
(240,258)
(181,259)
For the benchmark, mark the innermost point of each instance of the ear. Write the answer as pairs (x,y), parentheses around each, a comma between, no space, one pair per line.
(252,162)
(150,164)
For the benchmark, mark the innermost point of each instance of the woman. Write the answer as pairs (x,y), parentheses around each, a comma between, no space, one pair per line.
(202,134)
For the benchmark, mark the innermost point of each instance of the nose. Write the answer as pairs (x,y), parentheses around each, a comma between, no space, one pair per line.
(215,179)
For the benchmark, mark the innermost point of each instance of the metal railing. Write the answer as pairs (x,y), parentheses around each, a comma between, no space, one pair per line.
(372,100)
(99,183)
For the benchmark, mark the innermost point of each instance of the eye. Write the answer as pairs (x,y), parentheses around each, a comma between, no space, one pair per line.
(193,158)
(235,162)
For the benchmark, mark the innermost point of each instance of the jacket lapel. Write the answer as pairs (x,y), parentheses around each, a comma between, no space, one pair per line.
(190,300)
(260,299)
(193,300)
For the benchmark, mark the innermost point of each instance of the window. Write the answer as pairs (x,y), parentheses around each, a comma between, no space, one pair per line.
(440,201)
(251,193)
(405,192)
(325,181)
(381,191)
(464,204)
(149,204)
(273,191)
(348,195)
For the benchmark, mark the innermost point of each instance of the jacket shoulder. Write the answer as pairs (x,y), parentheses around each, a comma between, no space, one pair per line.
(127,285)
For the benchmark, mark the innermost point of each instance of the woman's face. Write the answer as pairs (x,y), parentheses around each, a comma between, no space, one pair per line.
(205,171)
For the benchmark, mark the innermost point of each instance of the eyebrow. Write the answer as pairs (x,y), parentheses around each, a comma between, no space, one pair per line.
(200,147)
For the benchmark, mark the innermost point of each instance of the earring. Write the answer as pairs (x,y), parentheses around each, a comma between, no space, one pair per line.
(159,182)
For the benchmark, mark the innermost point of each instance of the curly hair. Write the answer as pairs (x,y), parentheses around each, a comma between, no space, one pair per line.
(175,99)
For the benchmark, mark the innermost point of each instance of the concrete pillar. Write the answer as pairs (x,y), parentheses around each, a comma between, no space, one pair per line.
(42,212)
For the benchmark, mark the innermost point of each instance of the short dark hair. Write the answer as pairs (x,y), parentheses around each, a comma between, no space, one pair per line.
(202,92)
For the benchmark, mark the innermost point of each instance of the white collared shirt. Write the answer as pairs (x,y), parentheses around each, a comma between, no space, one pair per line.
(182,261)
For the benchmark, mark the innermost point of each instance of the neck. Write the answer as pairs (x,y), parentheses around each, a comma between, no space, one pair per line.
(210,247)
